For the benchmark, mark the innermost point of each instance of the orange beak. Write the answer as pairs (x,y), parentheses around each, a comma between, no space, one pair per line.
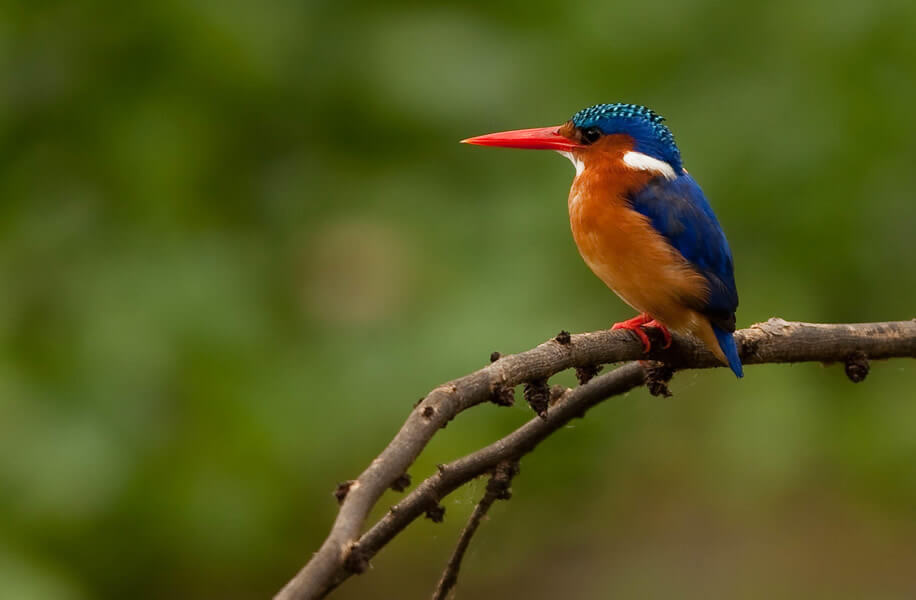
(541,138)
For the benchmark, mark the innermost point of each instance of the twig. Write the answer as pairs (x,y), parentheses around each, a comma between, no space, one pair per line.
(776,341)
(497,489)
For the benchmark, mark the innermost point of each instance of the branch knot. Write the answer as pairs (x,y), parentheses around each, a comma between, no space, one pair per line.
(502,395)
(586,373)
(538,396)
(436,514)
(657,377)
(857,366)
(355,560)
(343,488)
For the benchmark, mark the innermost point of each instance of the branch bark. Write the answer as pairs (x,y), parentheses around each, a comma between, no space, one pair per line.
(497,489)
(777,341)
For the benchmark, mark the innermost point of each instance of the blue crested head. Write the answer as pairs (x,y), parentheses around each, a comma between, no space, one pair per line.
(650,135)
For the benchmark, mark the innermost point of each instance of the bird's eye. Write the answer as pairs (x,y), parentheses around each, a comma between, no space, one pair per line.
(590,135)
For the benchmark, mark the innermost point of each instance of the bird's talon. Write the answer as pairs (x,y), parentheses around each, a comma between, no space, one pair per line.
(638,323)
(635,325)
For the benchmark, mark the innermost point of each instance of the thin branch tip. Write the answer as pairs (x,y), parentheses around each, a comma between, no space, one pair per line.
(497,489)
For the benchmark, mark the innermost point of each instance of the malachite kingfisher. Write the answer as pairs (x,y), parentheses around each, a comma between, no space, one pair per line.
(642,223)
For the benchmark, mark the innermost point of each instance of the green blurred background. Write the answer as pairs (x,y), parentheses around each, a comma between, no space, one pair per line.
(239,240)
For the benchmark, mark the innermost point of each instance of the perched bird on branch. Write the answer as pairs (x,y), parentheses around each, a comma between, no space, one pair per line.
(642,223)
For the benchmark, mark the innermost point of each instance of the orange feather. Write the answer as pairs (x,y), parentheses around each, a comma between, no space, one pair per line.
(623,249)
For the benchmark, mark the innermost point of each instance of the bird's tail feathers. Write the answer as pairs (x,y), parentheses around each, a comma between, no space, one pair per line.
(727,343)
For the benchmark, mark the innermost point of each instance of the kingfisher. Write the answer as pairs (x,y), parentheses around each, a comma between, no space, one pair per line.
(642,223)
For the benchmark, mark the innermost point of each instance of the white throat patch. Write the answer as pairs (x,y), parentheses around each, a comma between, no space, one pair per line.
(575,161)
(644,162)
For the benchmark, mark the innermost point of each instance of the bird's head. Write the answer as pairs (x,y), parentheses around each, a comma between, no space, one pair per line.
(598,128)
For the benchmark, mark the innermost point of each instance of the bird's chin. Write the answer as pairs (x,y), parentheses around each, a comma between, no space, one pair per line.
(575,160)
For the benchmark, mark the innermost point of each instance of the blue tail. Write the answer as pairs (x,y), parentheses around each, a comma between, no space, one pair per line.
(727,343)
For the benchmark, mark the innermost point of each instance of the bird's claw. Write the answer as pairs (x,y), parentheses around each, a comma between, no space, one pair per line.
(636,325)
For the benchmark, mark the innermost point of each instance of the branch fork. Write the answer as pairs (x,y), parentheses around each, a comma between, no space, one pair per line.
(348,548)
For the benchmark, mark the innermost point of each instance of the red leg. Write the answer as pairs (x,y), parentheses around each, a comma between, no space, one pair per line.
(635,325)
(665,333)
(636,321)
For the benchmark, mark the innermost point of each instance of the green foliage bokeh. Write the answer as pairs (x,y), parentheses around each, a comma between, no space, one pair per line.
(239,240)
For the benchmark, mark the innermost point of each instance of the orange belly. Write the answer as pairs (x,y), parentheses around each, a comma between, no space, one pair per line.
(635,261)
(623,249)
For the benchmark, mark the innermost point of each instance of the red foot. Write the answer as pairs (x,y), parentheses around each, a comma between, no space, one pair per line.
(636,325)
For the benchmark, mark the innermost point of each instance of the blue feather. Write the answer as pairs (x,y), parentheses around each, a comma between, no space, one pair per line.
(679,211)
(726,341)
(647,128)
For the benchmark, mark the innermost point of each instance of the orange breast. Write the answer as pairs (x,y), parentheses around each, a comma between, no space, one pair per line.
(624,250)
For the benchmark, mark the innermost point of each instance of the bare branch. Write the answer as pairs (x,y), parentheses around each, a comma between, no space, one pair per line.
(776,341)
(497,489)
(449,477)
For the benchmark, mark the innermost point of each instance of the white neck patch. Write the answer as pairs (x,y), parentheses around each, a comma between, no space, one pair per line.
(575,161)
(644,162)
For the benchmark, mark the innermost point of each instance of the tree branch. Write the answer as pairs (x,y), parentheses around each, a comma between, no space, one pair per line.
(449,477)
(776,341)
(497,489)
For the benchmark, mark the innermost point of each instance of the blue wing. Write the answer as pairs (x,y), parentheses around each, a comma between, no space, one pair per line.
(679,211)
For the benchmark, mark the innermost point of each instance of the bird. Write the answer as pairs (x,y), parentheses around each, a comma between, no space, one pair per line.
(642,223)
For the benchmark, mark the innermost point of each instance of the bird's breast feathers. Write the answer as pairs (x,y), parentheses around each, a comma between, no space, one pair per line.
(623,249)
